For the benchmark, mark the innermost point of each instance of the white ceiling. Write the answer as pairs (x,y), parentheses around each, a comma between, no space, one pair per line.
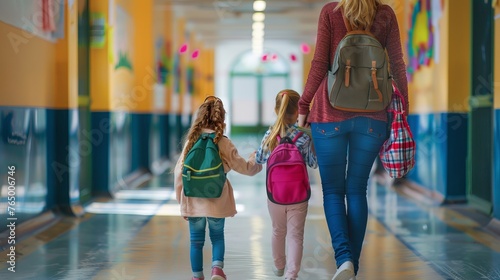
(219,20)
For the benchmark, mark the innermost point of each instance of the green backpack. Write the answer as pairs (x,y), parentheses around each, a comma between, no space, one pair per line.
(203,172)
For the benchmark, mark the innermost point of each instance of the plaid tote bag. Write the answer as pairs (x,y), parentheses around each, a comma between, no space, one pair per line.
(397,154)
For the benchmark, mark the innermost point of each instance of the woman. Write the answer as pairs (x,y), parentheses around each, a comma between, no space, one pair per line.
(347,143)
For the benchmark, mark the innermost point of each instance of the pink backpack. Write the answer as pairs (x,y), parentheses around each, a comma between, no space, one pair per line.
(286,176)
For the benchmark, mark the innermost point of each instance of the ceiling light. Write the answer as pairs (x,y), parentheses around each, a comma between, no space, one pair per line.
(258,33)
(259,40)
(259,6)
(259,16)
(258,25)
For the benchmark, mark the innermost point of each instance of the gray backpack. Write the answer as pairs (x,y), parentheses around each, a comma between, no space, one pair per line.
(359,80)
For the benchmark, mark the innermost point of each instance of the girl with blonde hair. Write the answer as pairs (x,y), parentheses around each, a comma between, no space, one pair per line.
(287,220)
(210,118)
(347,142)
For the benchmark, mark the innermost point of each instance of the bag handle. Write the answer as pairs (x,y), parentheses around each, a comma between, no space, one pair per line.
(397,93)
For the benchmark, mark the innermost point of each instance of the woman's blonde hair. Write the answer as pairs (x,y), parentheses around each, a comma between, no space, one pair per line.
(287,105)
(359,13)
(211,115)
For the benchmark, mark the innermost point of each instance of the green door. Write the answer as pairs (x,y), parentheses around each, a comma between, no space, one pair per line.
(84,134)
(480,150)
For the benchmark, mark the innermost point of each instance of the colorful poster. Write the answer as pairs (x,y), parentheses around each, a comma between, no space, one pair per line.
(423,34)
(124,95)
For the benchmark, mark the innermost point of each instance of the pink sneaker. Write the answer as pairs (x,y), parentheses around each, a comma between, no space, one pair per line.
(218,274)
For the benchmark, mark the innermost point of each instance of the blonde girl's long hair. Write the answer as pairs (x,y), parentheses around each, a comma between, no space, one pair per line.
(287,105)
(359,13)
(211,115)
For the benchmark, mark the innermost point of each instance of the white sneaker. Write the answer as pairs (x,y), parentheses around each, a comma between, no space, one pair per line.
(345,272)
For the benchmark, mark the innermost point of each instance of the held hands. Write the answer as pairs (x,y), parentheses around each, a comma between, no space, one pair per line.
(303,121)
(251,158)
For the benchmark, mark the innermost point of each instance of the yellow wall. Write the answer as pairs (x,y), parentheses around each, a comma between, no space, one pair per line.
(306,64)
(66,94)
(496,84)
(143,60)
(459,51)
(28,68)
(39,73)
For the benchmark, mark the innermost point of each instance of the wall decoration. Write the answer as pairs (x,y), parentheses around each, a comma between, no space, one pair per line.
(195,54)
(305,48)
(423,34)
(184,48)
(163,61)
(97,30)
(177,74)
(190,79)
(123,41)
(44,18)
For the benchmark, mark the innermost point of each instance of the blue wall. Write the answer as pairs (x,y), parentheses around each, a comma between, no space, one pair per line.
(441,140)
(63,158)
(23,145)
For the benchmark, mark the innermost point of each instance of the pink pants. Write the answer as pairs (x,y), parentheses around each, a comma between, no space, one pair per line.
(288,221)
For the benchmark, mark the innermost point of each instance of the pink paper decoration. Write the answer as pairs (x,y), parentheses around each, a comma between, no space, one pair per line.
(305,48)
(183,48)
(195,54)
(293,57)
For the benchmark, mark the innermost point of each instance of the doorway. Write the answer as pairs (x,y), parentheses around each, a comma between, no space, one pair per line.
(254,83)
(480,150)
(84,133)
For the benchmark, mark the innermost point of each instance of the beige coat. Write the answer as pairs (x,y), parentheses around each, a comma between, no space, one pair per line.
(224,206)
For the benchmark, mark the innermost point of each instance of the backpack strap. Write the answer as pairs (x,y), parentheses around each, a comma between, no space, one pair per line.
(346,22)
(294,138)
(374,80)
(205,135)
(297,137)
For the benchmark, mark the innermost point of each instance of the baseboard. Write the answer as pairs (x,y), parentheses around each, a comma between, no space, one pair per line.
(134,180)
(30,227)
(494,226)
(415,191)
(161,166)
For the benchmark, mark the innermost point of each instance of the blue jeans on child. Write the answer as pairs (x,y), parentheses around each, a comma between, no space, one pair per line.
(346,151)
(197,227)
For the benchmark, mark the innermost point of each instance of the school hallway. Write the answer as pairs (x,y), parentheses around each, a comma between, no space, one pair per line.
(139,235)
(97,97)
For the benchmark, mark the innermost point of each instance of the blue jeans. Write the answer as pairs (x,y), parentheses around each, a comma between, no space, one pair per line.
(197,227)
(346,151)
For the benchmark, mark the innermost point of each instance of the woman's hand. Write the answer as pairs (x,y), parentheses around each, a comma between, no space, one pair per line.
(303,121)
